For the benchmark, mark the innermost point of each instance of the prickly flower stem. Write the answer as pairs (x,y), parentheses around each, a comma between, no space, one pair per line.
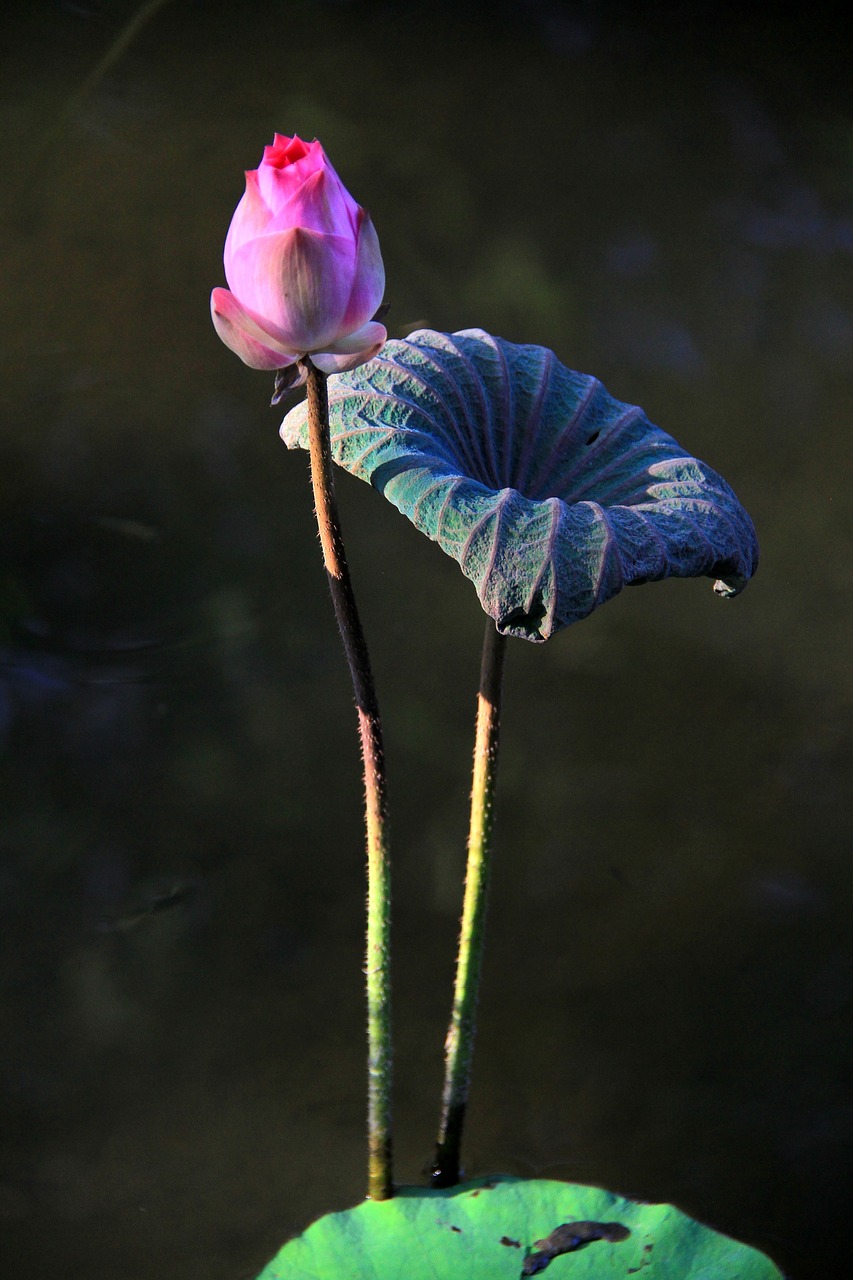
(459,1045)
(377,963)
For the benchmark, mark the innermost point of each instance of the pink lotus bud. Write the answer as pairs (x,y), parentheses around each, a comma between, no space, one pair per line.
(303,264)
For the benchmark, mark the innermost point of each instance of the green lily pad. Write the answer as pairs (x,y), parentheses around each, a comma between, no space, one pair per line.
(509,1228)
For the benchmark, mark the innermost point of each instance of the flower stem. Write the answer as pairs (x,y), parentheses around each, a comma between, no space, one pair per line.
(377,963)
(459,1045)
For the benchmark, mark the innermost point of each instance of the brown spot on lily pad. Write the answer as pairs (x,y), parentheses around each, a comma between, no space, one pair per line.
(569,1237)
(510,1244)
(645,1261)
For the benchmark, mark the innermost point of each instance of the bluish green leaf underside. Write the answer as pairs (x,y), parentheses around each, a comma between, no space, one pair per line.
(486,1230)
(550,494)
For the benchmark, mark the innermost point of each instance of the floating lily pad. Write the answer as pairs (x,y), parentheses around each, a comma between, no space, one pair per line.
(509,1228)
(550,494)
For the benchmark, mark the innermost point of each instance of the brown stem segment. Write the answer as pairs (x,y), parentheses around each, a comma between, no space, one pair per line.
(459,1045)
(377,963)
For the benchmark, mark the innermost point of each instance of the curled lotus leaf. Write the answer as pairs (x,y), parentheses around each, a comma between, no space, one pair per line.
(551,494)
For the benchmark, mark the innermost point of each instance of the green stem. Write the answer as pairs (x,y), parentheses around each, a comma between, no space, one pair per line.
(459,1045)
(377,963)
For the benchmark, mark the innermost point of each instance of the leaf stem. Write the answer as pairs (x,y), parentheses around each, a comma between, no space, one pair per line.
(459,1045)
(377,962)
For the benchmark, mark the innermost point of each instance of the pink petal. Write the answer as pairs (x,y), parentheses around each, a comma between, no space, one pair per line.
(354,210)
(369,282)
(367,336)
(280,177)
(241,332)
(250,219)
(297,283)
(319,204)
(284,150)
(350,352)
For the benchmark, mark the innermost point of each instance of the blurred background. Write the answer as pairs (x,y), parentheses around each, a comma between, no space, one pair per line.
(664,196)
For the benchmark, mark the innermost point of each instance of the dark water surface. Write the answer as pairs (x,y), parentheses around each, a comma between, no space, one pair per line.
(668,1001)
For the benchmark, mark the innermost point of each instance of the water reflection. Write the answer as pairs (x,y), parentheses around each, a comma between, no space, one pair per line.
(668,992)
